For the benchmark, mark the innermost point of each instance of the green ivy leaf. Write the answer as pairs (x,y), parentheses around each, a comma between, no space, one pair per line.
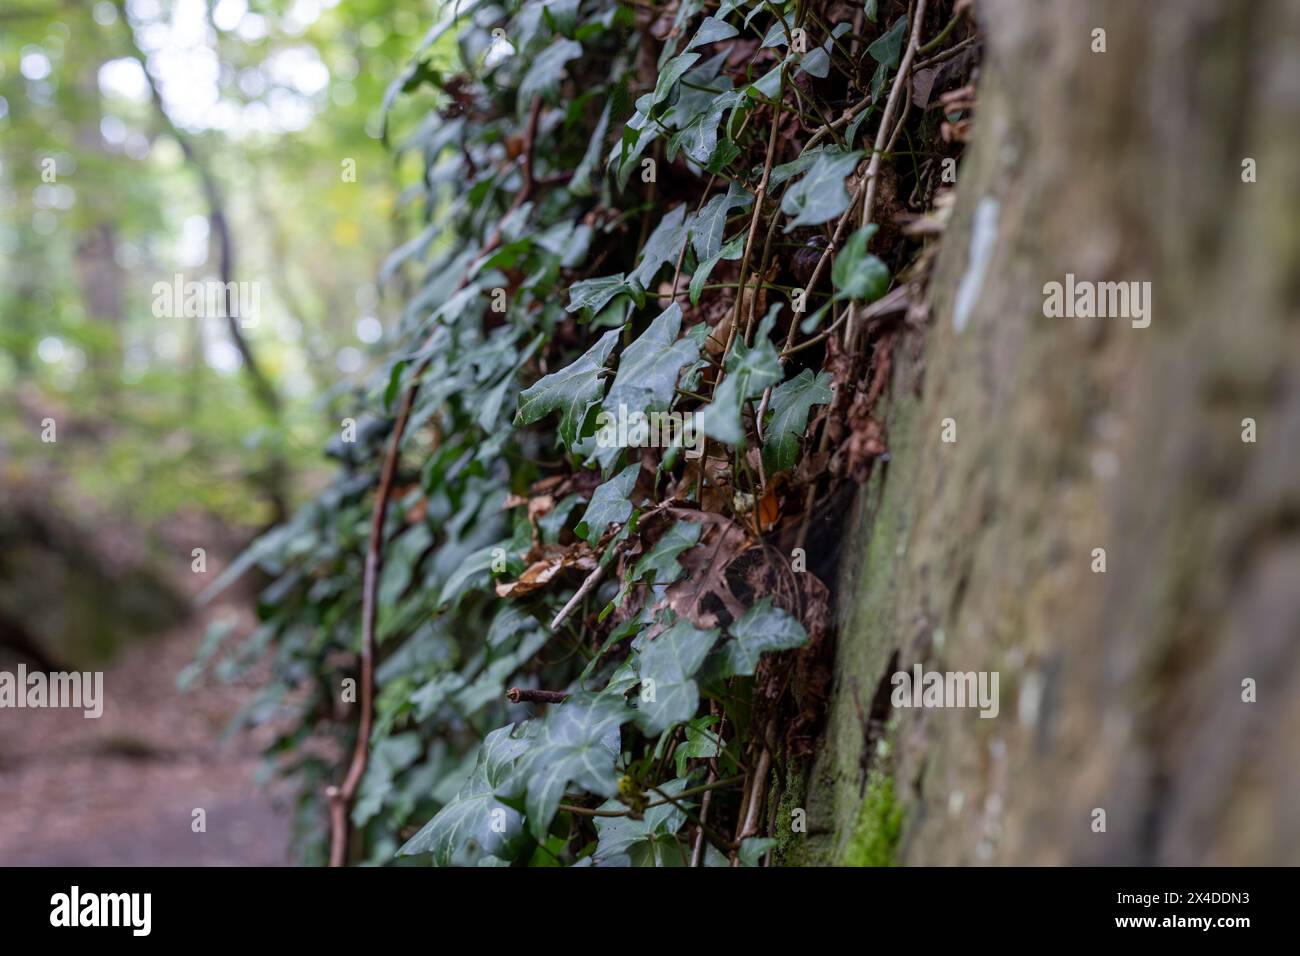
(638,133)
(671,660)
(767,86)
(749,372)
(580,184)
(763,628)
(609,504)
(856,273)
(472,571)
(629,628)
(664,245)
(888,47)
(650,841)
(543,77)
(796,166)
(661,560)
(752,850)
(733,250)
(594,294)
(577,742)
(476,824)
(816,62)
(706,233)
(820,196)
(701,742)
(572,390)
(711,31)
(779,32)
(790,404)
(699,139)
(669,74)
(647,369)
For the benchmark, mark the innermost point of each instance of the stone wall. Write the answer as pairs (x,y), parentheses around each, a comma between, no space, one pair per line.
(1123,690)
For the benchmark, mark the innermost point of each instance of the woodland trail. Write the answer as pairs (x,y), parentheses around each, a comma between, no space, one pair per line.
(121,789)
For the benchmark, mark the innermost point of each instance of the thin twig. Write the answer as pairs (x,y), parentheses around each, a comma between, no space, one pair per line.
(697,852)
(584,589)
(532,696)
(901,82)
(755,803)
(949,53)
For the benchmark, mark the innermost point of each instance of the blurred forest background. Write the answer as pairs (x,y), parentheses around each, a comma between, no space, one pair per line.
(135,139)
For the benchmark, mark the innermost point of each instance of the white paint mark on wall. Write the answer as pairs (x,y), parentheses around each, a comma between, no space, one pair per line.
(983,237)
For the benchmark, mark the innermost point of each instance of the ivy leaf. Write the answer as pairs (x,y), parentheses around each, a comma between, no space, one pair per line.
(388,758)
(763,628)
(857,274)
(851,133)
(711,31)
(543,77)
(650,841)
(629,628)
(790,404)
(889,46)
(476,824)
(778,33)
(701,742)
(661,560)
(577,742)
(752,850)
(816,62)
(706,233)
(580,184)
(664,245)
(594,294)
(796,166)
(699,140)
(562,15)
(749,372)
(553,523)
(415,73)
(571,390)
(733,250)
(638,133)
(472,571)
(670,661)
(609,504)
(767,86)
(669,74)
(820,196)
(720,419)
(647,369)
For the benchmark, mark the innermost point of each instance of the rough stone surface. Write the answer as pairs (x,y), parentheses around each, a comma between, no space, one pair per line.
(1119,690)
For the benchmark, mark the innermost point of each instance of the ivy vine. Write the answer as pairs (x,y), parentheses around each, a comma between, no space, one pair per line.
(578,651)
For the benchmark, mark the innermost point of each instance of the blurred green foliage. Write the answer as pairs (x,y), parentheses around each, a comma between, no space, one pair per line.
(280,102)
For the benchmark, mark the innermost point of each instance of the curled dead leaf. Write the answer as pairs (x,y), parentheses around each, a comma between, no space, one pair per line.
(538,575)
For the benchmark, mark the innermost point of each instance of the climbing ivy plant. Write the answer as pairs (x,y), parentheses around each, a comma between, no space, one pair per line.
(518,628)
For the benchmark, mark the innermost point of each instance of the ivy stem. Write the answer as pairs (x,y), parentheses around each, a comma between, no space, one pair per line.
(901,81)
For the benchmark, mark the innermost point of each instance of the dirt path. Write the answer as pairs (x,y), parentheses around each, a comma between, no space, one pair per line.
(122,789)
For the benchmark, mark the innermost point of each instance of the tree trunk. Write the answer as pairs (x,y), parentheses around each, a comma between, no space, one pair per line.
(1120,690)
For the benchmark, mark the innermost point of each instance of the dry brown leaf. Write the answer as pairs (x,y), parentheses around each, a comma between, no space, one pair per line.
(539,574)
(702,596)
